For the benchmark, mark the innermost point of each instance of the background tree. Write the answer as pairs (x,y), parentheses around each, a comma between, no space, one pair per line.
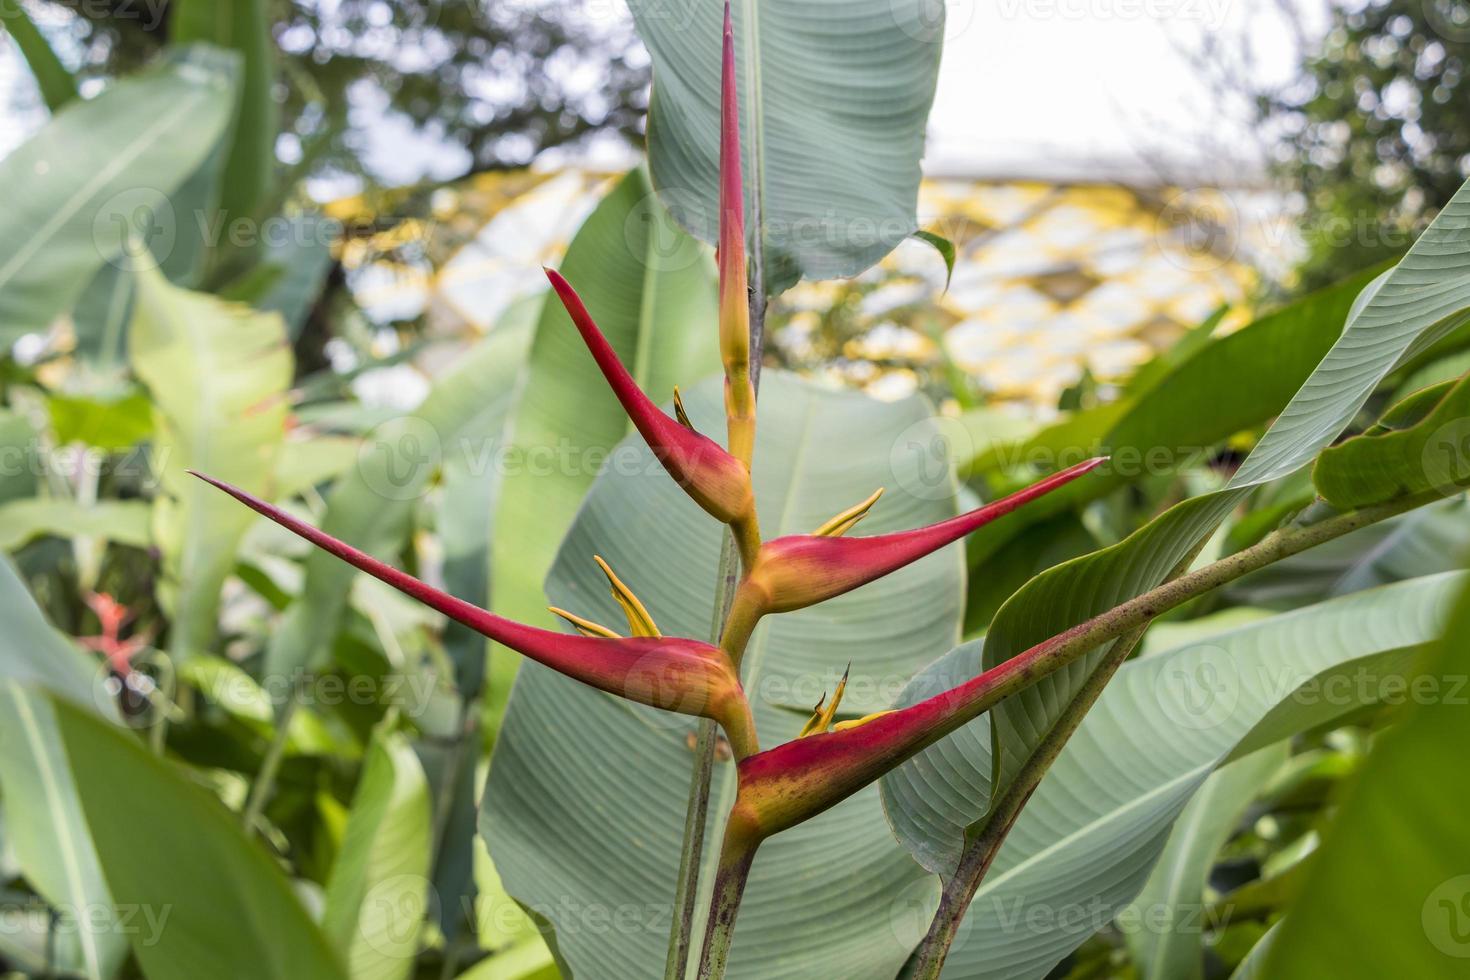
(502,80)
(1374,132)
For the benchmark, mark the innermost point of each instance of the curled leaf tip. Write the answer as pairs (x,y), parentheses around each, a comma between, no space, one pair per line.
(840,524)
(640,623)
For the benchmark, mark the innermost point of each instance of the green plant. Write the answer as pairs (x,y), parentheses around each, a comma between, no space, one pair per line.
(1151,627)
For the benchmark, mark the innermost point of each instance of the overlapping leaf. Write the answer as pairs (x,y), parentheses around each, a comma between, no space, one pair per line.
(1084,845)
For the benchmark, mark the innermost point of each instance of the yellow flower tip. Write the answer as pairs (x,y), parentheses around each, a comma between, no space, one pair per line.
(821,719)
(679,412)
(584,626)
(640,623)
(847,520)
(843,726)
(810,728)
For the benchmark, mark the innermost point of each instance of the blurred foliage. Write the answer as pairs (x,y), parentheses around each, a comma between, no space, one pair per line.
(504,81)
(1375,133)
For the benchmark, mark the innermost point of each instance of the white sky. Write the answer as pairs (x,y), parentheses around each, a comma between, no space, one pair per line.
(1041,88)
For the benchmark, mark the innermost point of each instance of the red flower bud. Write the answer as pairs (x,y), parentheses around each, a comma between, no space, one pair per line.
(685,676)
(717,481)
(734,298)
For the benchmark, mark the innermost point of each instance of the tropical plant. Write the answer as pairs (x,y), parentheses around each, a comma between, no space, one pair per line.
(1188,608)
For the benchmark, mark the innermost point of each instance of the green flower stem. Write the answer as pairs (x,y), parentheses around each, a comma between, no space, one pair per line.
(740,546)
(982,845)
(265,779)
(736,857)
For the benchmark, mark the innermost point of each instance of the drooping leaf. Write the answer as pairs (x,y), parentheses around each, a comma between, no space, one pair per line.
(1085,844)
(1422,444)
(832,124)
(378,893)
(218,376)
(586,792)
(944,247)
(212,903)
(1388,889)
(651,290)
(57,85)
(121,521)
(98,175)
(372,505)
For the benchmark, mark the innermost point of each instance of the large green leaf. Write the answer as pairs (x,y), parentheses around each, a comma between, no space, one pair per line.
(652,291)
(1388,893)
(1418,301)
(99,172)
(834,100)
(1168,920)
(57,85)
(1422,444)
(1084,845)
(44,827)
(372,504)
(378,893)
(210,902)
(218,376)
(43,821)
(122,521)
(584,810)
(243,26)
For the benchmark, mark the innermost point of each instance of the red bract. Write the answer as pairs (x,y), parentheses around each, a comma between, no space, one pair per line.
(804,569)
(112,616)
(734,298)
(685,676)
(717,481)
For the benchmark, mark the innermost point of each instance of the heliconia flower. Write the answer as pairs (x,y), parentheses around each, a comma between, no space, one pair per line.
(680,675)
(804,569)
(716,480)
(734,298)
(112,616)
(797,780)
